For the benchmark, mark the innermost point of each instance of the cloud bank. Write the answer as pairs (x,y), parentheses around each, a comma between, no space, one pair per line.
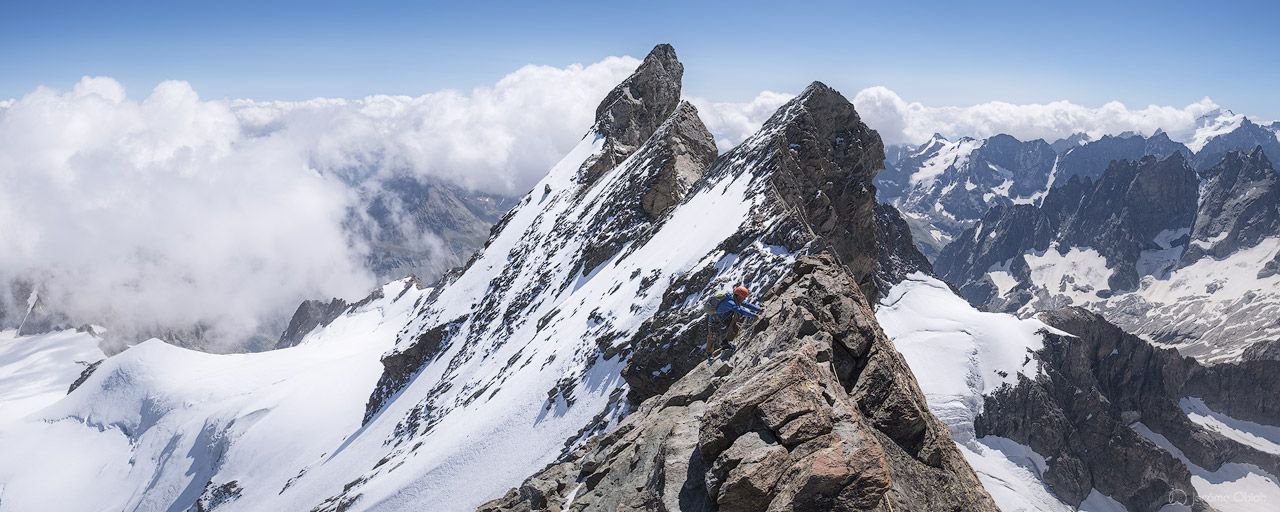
(731,123)
(175,211)
(900,122)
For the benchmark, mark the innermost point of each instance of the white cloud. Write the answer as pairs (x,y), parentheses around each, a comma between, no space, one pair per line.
(901,122)
(174,211)
(499,139)
(732,123)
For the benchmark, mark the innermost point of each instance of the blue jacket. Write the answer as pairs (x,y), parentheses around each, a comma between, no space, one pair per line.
(728,306)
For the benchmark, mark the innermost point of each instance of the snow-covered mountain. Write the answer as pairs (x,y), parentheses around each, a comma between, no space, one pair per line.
(1067,412)
(562,368)
(584,302)
(1165,253)
(943,187)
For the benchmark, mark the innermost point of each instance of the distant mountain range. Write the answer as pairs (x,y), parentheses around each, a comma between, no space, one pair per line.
(944,187)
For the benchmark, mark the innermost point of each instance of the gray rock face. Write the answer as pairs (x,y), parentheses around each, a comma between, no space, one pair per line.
(1091,160)
(310,315)
(1240,206)
(896,253)
(633,110)
(824,174)
(687,149)
(815,160)
(816,411)
(1263,351)
(1095,384)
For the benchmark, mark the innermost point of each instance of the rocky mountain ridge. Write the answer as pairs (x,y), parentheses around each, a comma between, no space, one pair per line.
(815,411)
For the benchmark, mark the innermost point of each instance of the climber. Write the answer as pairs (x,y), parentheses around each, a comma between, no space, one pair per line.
(723,317)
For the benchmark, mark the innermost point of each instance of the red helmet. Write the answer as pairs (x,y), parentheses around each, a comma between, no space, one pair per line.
(741,292)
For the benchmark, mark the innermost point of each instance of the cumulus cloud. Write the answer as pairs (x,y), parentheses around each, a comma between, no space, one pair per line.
(901,122)
(731,123)
(499,139)
(175,211)
(161,214)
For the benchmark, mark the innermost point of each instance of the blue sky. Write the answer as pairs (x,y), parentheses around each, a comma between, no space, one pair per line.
(944,53)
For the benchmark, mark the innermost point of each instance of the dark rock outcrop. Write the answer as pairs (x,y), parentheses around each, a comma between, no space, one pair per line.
(310,315)
(1263,351)
(399,367)
(896,254)
(633,110)
(85,374)
(815,411)
(1097,383)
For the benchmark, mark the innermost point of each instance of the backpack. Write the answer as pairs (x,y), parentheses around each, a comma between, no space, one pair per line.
(712,304)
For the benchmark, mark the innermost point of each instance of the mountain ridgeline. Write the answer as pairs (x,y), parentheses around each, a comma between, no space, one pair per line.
(561,367)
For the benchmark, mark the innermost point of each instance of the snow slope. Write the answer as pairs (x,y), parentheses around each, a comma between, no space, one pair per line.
(36,371)
(959,354)
(155,423)
(530,341)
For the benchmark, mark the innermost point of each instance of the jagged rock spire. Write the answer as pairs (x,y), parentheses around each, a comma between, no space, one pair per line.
(829,159)
(634,110)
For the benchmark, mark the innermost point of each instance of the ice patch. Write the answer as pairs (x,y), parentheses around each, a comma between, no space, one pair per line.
(1010,472)
(1159,262)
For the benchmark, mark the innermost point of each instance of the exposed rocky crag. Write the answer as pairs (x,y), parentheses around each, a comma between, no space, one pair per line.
(310,315)
(815,411)
(811,165)
(1240,206)
(1098,382)
(896,252)
(633,110)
